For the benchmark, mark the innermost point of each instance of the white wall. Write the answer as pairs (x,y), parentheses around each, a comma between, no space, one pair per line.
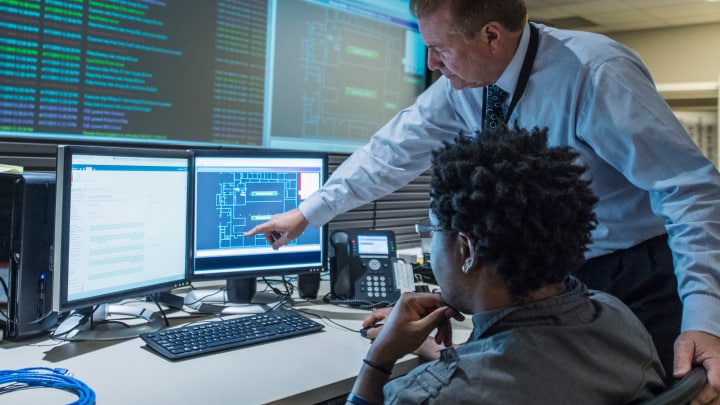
(677,54)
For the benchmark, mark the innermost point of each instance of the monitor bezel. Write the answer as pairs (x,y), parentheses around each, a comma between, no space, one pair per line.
(65,153)
(242,273)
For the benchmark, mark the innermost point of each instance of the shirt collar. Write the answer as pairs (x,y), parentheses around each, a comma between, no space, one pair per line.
(509,77)
(545,310)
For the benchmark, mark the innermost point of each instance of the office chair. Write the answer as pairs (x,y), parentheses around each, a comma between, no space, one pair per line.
(682,390)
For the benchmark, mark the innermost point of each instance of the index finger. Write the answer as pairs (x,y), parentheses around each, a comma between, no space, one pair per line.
(264,228)
(376,316)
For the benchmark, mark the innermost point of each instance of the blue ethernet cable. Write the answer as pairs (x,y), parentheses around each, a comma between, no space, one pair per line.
(35,377)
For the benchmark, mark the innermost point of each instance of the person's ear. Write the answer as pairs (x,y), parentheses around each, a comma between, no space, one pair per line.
(468,251)
(492,34)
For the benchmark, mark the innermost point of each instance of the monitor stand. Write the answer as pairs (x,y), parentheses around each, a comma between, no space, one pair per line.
(236,298)
(241,290)
(87,323)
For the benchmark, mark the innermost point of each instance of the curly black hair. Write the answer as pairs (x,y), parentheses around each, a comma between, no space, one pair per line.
(525,204)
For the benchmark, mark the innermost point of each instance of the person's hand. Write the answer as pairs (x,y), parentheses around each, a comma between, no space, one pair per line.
(430,349)
(281,228)
(694,347)
(443,337)
(410,322)
(376,317)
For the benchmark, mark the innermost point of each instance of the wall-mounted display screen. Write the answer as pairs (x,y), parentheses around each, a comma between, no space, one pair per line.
(358,63)
(290,74)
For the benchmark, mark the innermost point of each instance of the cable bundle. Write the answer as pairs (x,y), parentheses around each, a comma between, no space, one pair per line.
(34,377)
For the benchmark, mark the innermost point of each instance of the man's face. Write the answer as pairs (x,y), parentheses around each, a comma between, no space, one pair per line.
(465,62)
(446,263)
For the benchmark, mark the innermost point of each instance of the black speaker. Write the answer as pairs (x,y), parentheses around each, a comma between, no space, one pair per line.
(27,220)
(308,285)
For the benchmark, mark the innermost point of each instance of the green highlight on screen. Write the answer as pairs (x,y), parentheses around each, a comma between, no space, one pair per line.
(64,12)
(23,4)
(60,56)
(104,20)
(411,79)
(17,50)
(120,9)
(15,129)
(358,92)
(365,53)
(105,62)
(264,193)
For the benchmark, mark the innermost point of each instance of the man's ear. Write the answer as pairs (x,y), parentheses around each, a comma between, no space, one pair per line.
(467,250)
(492,34)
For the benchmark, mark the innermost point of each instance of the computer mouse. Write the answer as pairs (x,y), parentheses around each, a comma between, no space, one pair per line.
(364,331)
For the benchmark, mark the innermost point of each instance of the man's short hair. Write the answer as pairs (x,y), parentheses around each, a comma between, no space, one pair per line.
(469,16)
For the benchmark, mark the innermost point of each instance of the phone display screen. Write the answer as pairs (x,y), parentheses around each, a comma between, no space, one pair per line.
(372,245)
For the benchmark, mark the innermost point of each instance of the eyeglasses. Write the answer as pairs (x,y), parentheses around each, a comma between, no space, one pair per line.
(425,229)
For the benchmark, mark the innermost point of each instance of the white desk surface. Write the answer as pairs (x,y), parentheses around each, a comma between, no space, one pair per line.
(301,370)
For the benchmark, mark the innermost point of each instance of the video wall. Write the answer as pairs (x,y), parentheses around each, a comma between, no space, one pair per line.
(291,74)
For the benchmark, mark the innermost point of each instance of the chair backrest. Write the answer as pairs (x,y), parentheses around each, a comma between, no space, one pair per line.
(682,390)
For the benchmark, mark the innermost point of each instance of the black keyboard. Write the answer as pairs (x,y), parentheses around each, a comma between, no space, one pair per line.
(205,337)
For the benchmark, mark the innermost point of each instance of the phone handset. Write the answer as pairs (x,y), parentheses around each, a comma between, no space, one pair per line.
(342,286)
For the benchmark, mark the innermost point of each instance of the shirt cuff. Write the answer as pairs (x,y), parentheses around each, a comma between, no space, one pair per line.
(316,211)
(700,313)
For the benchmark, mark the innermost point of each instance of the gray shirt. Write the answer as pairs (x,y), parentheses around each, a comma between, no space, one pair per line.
(582,347)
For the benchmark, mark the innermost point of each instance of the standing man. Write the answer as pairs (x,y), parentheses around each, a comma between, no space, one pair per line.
(658,213)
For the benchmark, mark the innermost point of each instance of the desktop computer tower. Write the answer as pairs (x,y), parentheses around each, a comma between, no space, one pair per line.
(27,219)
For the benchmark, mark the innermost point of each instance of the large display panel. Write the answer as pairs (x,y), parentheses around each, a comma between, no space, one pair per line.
(237,190)
(176,71)
(121,230)
(293,74)
(346,69)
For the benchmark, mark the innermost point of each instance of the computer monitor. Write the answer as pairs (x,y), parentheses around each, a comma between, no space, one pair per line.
(238,189)
(122,230)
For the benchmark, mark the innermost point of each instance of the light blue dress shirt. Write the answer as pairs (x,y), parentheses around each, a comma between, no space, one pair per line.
(596,96)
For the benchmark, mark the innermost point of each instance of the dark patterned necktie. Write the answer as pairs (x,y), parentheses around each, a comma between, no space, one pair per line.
(495,107)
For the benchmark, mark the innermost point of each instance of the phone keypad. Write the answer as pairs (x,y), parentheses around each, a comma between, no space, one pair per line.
(377,286)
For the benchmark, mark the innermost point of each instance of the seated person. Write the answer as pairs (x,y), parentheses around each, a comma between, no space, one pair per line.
(510,220)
